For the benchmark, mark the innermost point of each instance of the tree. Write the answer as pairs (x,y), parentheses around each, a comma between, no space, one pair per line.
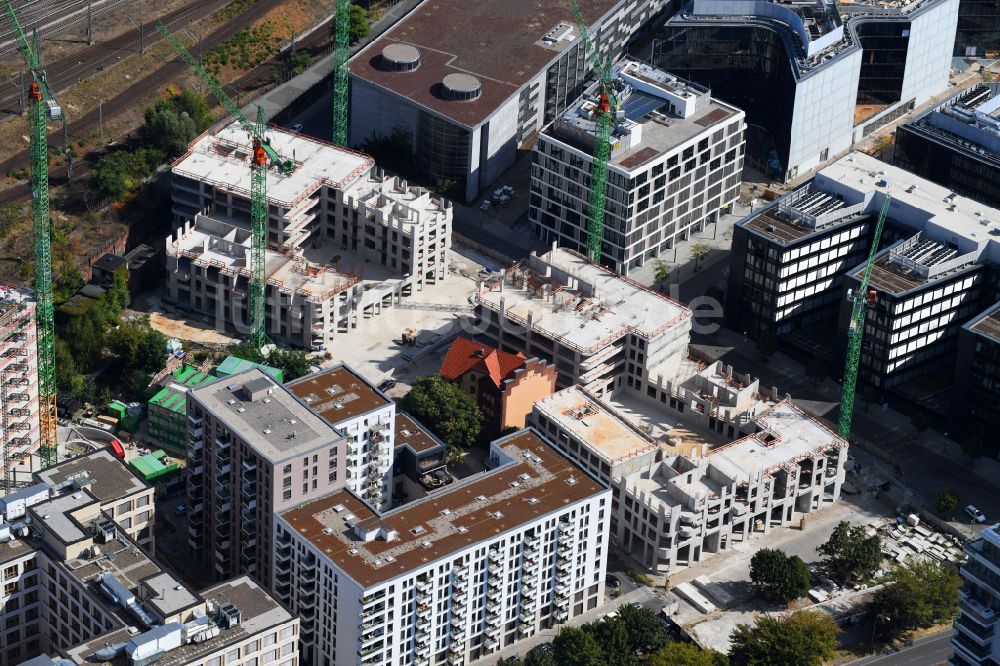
(804,638)
(359,24)
(917,595)
(972,446)
(817,369)
(646,634)
(686,654)
(767,344)
(455,455)
(293,363)
(138,346)
(699,251)
(167,130)
(543,655)
(946,501)
(613,638)
(576,647)
(68,282)
(192,104)
(122,172)
(661,272)
(779,576)
(510,661)
(84,336)
(69,382)
(919,422)
(451,413)
(850,553)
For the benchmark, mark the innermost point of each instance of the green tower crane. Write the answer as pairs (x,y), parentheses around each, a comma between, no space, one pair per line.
(263,155)
(41,105)
(602,140)
(341,41)
(856,330)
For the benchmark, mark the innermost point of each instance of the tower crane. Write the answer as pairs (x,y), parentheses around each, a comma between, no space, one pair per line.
(602,140)
(341,40)
(263,156)
(863,299)
(41,105)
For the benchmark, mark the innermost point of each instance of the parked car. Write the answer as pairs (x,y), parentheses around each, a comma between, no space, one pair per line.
(612,582)
(975,514)
(181,509)
(386,385)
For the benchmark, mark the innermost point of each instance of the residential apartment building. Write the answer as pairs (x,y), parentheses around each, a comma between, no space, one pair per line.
(365,418)
(253,449)
(675,162)
(123,496)
(344,240)
(19,437)
(676,503)
(956,144)
(504,385)
(466,105)
(166,411)
(77,589)
(813,77)
(600,329)
(975,641)
(453,577)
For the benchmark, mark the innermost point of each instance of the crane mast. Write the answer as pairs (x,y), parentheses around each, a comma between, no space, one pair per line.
(341,40)
(41,104)
(602,140)
(262,155)
(856,330)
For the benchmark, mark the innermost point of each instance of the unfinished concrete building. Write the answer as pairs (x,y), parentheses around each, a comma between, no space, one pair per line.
(673,506)
(601,329)
(344,240)
(19,428)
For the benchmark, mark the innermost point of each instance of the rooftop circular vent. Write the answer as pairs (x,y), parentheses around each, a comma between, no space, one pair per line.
(400,57)
(461,87)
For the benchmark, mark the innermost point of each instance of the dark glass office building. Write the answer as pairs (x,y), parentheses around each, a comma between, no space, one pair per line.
(957,144)
(978,29)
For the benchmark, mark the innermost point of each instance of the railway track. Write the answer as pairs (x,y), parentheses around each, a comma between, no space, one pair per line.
(68,71)
(157,79)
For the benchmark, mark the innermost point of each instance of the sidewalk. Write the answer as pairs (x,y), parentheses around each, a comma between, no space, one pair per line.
(522,647)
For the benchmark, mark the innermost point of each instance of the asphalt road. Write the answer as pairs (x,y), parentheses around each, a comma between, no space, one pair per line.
(927,651)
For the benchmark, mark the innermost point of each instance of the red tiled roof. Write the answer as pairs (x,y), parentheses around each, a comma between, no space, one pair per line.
(465,355)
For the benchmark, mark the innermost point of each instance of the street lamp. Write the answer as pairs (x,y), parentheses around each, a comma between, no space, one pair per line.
(878,616)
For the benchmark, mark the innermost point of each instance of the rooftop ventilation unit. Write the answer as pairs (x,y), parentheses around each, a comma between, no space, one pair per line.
(400,58)
(229,616)
(104,530)
(461,87)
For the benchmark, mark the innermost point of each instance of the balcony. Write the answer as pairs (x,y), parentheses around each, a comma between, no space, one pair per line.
(421,652)
(423,611)
(197,444)
(492,608)
(423,586)
(977,610)
(565,528)
(529,580)
(223,470)
(494,557)
(195,433)
(528,606)
(458,595)
(248,466)
(562,615)
(530,564)
(194,420)
(458,635)
(491,643)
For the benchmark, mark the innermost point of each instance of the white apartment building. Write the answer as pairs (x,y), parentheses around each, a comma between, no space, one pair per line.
(452,577)
(256,448)
(675,163)
(602,330)
(344,240)
(675,502)
(77,589)
(975,640)
(365,418)
(19,428)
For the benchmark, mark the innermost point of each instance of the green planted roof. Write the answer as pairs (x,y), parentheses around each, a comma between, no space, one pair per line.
(233,365)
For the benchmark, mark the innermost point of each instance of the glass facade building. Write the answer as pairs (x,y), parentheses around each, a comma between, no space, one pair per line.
(978,29)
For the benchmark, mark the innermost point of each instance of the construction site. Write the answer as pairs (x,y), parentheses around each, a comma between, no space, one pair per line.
(343,240)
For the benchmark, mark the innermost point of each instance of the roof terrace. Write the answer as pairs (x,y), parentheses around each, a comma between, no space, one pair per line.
(529,479)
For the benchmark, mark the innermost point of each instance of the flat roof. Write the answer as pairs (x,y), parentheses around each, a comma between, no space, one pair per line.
(987,323)
(600,429)
(502,44)
(223,159)
(110,479)
(469,512)
(274,422)
(606,306)
(409,432)
(337,394)
(937,212)
(258,612)
(168,595)
(787,433)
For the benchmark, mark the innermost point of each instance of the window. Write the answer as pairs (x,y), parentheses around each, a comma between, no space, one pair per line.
(287,494)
